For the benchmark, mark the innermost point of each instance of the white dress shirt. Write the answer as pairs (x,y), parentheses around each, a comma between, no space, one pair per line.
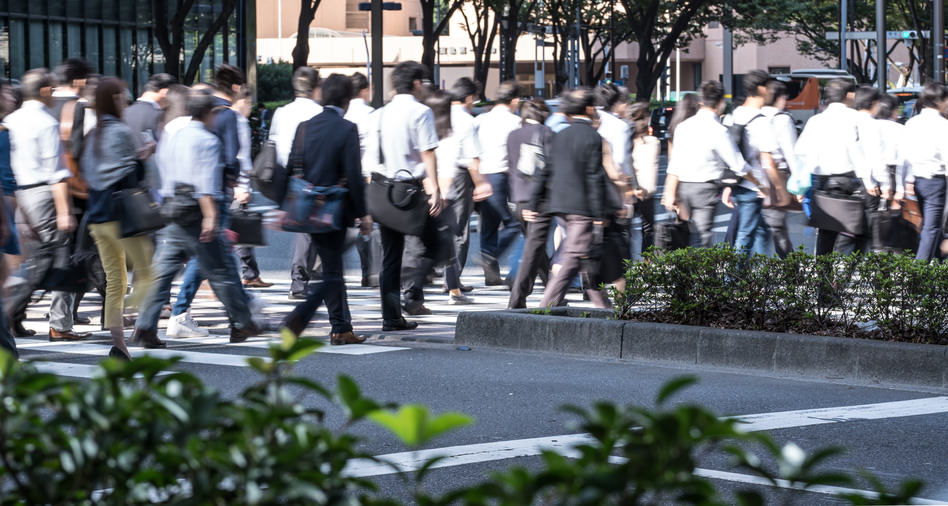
(785,135)
(192,155)
(870,140)
(407,128)
(925,148)
(829,144)
(360,113)
(35,145)
(286,120)
(491,130)
(759,136)
(892,135)
(462,126)
(243,153)
(645,153)
(617,133)
(703,148)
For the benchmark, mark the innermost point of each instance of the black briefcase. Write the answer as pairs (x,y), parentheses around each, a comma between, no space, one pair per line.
(838,212)
(672,235)
(248,228)
(891,232)
(139,212)
(397,204)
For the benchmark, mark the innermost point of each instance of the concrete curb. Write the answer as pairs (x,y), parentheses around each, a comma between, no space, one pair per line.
(591,333)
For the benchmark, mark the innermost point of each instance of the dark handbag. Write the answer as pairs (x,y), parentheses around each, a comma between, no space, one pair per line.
(912,213)
(313,209)
(247,228)
(892,232)
(399,205)
(616,249)
(138,211)
(268,176)
(838,212)
(67,272)
(672,235)
(182,208)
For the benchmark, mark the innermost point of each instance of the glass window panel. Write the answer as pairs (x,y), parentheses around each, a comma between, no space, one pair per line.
(109,52)
(74,41)
(38,7)
(18,6)
(55,44)
(74,8)
(17,40)
(144,11)
(142,59)
(93,9)
(127,10)
(4,49)
(126,53)
(57,8)
(37,46)
(92,52)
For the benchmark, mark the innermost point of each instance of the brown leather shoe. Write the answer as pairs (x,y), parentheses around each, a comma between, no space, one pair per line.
(345,338)
(257,283)
(147,339)
(67,335)
(240,335)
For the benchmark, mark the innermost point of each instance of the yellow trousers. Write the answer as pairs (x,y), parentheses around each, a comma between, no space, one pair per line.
(114,250)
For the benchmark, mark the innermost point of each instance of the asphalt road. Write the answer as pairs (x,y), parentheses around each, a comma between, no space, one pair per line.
(515,396)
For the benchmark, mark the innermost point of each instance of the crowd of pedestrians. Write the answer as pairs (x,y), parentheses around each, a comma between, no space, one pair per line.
(75,151)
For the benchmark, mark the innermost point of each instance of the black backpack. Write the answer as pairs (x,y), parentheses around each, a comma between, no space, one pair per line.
(268,176)
(738,133)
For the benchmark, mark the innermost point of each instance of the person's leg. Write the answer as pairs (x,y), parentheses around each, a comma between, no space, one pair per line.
(701,201)
(61,311)
(749,221)
(190,283)
(575,247)
(249,270)
(333,283)
(37,213)
(511,229)
(171,252)
(220,267)
(776,221)
(645,209)
(301,264)
(491,219)
(825,241)
(107,237)
(417,262)
(393,244)
(462,188)
(931,199)
(140,252)
(533,260)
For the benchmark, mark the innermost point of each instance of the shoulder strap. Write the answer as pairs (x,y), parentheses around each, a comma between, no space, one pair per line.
(297,164)
(381,153)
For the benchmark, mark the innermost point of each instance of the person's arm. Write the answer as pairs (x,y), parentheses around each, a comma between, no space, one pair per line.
(209,217)
(596,178)
(352,167)
(728,152)
(431,182)
(61,201)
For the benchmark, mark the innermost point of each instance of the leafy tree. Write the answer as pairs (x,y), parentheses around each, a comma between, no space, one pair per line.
(481,26)
(430,31)
(517,12)
(170,20)
(307,14)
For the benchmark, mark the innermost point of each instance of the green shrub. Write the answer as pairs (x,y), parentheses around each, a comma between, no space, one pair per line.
(274,82)
(876,295)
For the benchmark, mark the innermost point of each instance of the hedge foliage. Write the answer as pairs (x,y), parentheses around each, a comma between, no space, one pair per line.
(876,295)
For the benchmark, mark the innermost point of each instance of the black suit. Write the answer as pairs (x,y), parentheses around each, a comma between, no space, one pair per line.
(330,153)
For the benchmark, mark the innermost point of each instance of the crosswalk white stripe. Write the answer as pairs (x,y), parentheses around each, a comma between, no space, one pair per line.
(349,349)
(196,357)
(74,370)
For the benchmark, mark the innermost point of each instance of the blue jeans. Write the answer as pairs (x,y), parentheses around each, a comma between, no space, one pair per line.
(751,230)
(193,276)
(175,245)
(494,213)
(930,193)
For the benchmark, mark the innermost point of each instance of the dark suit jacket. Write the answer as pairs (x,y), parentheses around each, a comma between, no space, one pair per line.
(330,152)
(142,116)
(521,186)
(576,180)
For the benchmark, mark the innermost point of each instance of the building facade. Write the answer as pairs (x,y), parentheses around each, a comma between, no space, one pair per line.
(118,37)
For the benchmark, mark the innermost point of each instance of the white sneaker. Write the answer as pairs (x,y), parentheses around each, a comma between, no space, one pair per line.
(183,326)
(255,304)
(460,300)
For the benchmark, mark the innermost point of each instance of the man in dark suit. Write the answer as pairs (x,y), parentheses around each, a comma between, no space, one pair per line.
(576,187)
(144,118)
(330,155)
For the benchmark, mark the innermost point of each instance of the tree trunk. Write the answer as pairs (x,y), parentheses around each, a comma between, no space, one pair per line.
(301,50)
(170,34)
(227,8)
(428,36)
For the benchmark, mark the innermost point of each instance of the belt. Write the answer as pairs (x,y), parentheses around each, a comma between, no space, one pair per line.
(31,186)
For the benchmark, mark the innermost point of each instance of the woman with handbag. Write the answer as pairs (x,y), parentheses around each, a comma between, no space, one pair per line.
(110,163)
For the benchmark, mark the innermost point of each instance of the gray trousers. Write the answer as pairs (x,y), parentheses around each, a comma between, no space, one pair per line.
(574,258)
(39,213)
(461,200)
(701,201)
(776,221)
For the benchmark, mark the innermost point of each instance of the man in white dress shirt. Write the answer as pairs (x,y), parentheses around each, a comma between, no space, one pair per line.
(404,132)
(367,244)
(498,228)
(703,148)
(829,149)
(785,134)
(286,120)
(43,199)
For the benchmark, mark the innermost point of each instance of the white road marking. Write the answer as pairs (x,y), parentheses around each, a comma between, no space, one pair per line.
(75,370)
(100,350)
(349,349)
(503,450)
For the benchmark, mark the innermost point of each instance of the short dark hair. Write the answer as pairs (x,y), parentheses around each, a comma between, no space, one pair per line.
(577,100)
(440,103)
(33,81)
(72,69)
(178,98)
(159,82)
(608,95)
(359,83)
(463,88)
(337,90)
(534,109)
(933,93)
(226,76)
(887,105)
(775,90)
(865,96)
(638,115)
(711,93)
(836,90)
(753,80)
(405,74)
(200,103)
(507,92)
(305,81)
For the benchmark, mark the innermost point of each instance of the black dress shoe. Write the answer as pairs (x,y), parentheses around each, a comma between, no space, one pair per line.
(147,339)
(240,335)
(464,289)
(296,296)
(20,331)
(119,354)
(416,308)
(80,320)
(401,324)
